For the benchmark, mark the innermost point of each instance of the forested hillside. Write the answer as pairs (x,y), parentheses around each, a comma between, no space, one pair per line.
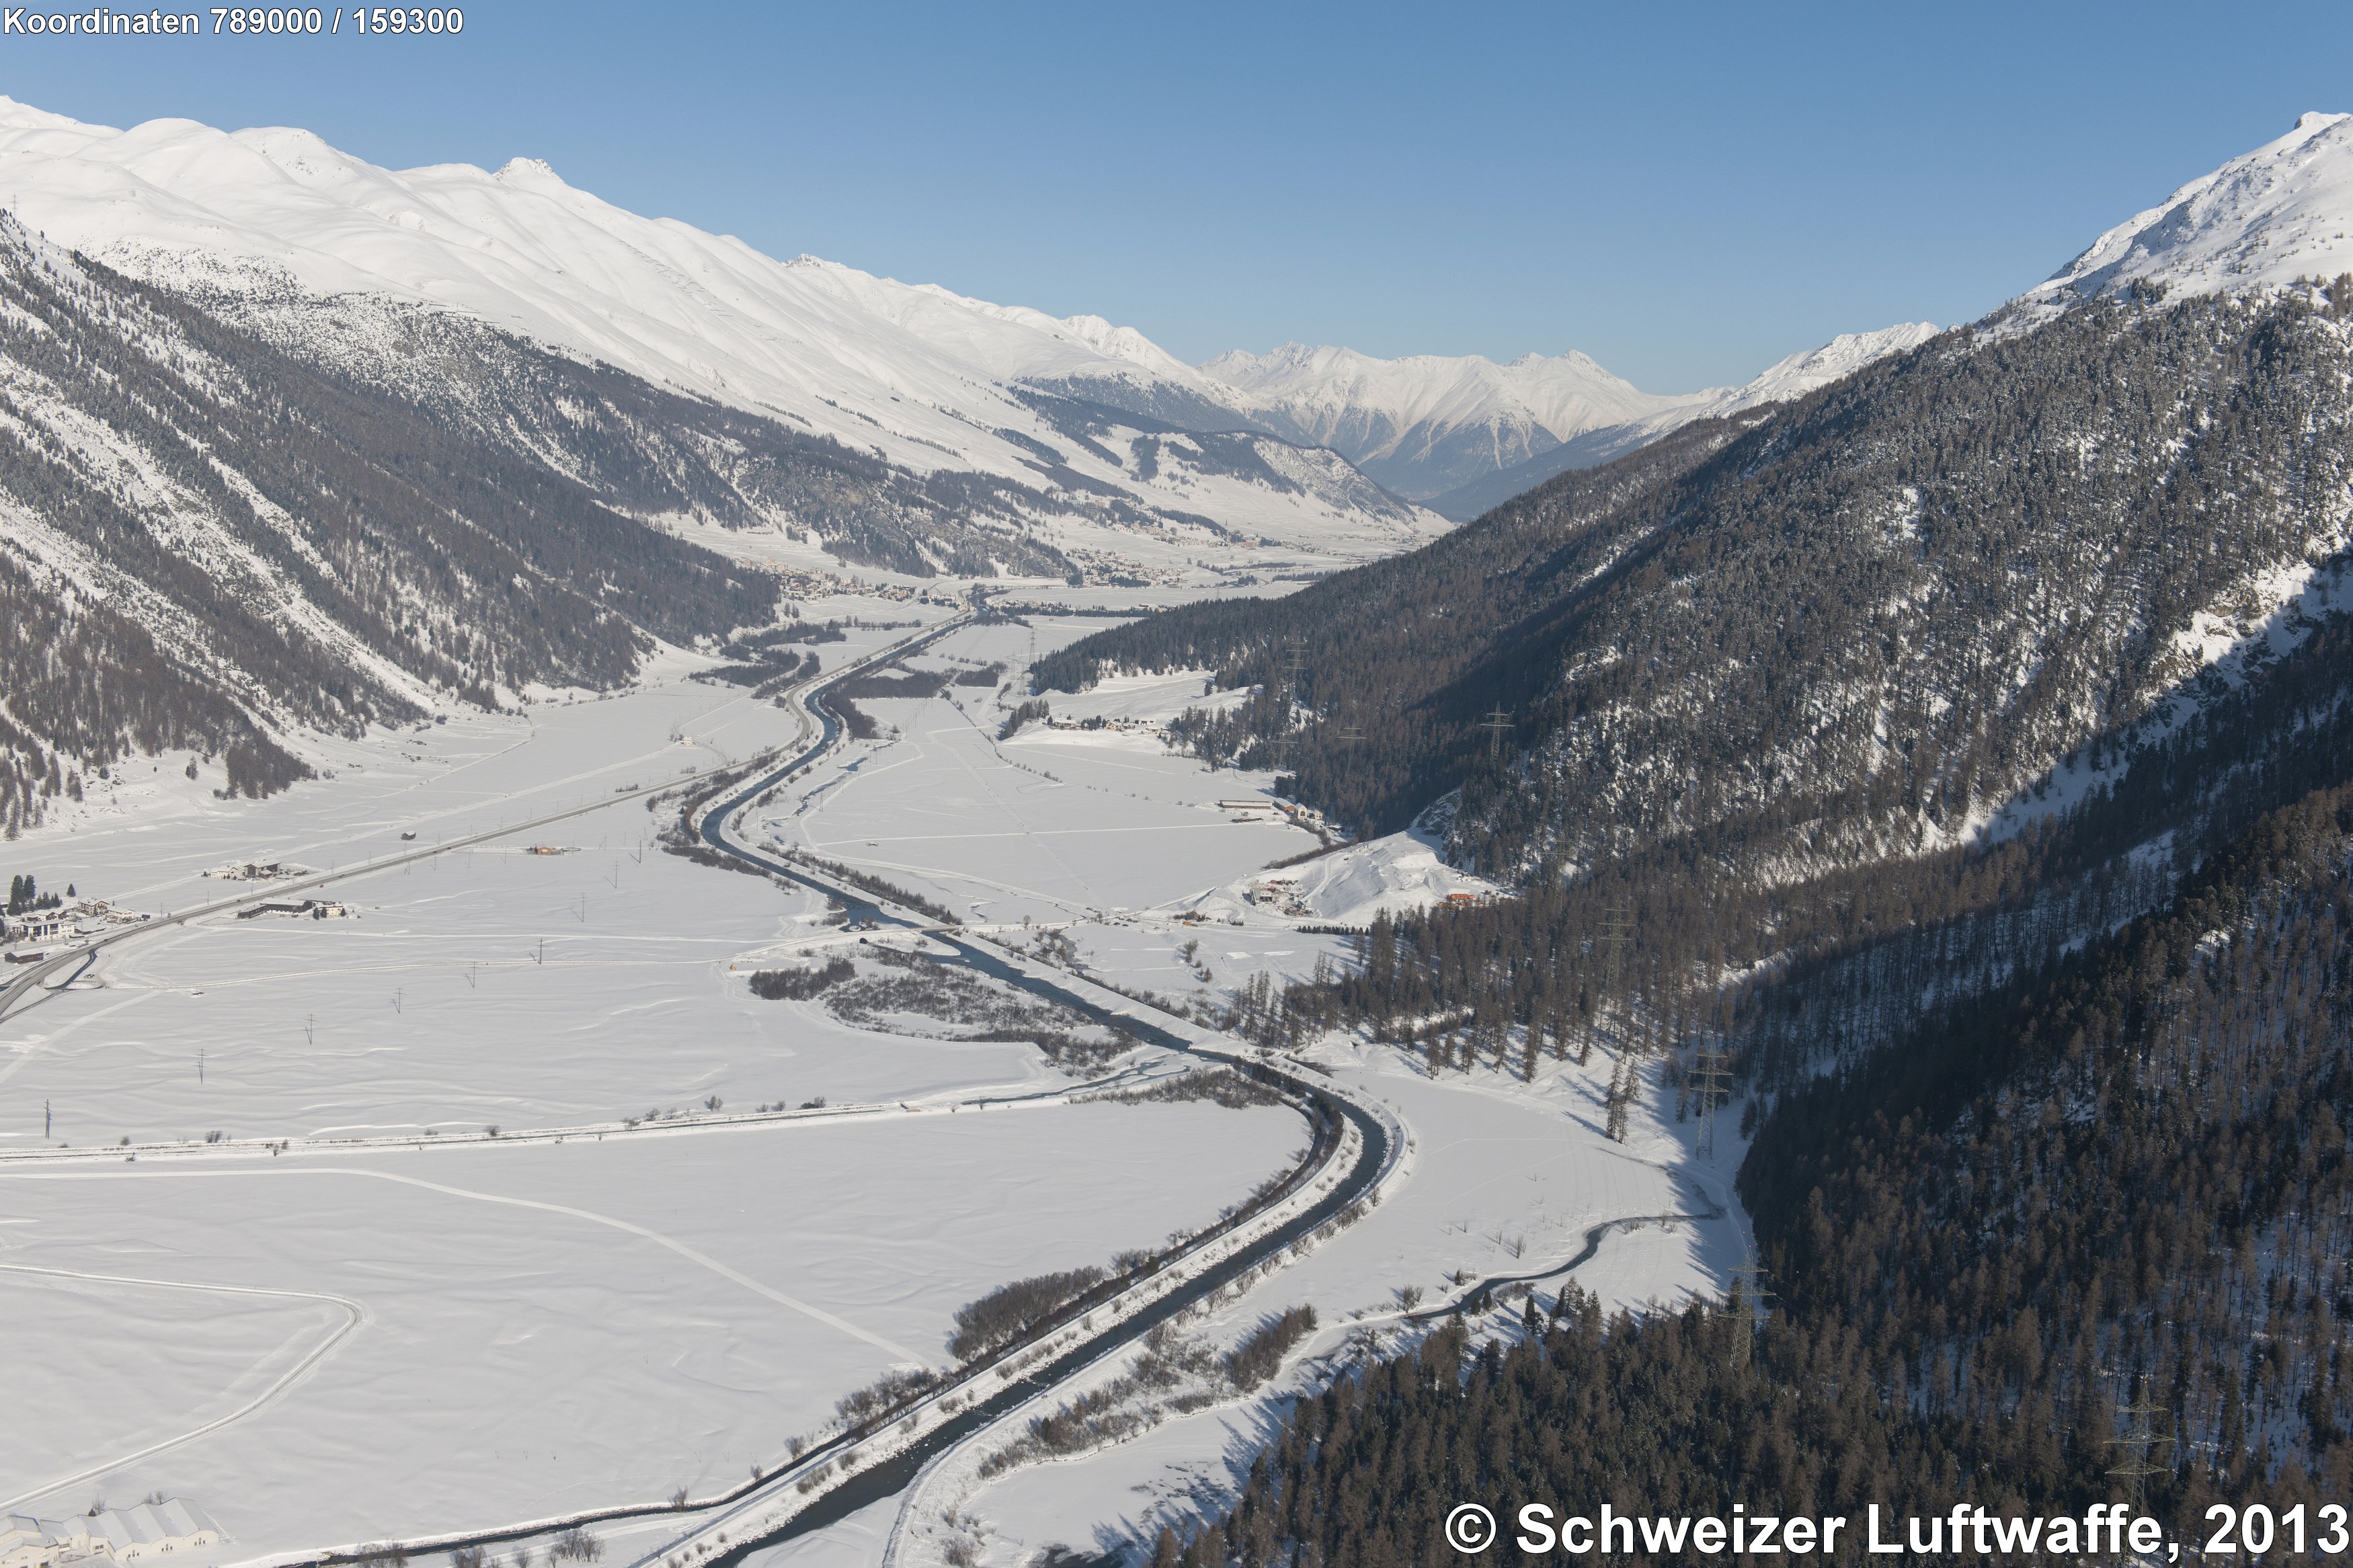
(1645,954)
(2120,1180)
(1961,763)
(1781,685)
(207,540)
(1851,629)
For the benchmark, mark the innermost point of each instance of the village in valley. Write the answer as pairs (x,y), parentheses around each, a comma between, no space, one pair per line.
(34,924)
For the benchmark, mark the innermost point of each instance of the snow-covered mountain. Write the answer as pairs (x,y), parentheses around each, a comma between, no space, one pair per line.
(1959,591)
(2282,212)
(327,255)
(207,544)
(1802,373)
(1425,423)
(1584,443)
(331,257)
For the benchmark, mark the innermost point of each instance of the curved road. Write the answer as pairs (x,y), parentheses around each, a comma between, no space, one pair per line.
(857,1488)
(887,1477)
(354,1315)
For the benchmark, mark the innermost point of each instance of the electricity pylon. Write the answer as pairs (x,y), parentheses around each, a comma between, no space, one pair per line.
(1714,1079)
(1617,926)
(2137,1439)
(1497,724)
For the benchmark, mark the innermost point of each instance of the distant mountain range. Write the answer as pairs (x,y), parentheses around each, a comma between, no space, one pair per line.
(268,226)
(1565,442)
(568,434)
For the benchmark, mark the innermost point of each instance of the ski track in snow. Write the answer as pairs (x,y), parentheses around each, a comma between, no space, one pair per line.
(701,1260)
(355,1314)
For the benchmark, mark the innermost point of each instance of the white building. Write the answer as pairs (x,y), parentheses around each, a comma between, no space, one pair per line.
(152,1530)
(41,925)
(121,1535)
(29,1542)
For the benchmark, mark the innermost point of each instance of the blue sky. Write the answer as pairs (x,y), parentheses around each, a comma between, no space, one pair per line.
(1684,192)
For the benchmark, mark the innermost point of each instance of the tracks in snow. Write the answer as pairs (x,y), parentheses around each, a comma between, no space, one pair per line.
(355,1314)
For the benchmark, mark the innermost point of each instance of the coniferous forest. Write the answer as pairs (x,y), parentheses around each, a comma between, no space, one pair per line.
(1850,774)
(2122,1182)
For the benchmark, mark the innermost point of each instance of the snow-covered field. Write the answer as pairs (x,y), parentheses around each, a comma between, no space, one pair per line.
(555,1327)
(1050,825)
(1105,834)
(427,1331)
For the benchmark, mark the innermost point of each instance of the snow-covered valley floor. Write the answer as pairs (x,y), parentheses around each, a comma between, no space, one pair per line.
(428,1330)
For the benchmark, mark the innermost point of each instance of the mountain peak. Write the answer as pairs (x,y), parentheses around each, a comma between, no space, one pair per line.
(1841,356)
(529,172)
(2266,217)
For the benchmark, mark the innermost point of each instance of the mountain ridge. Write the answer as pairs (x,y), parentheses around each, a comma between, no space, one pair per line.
(275,220)
(927,375)
(1790,377)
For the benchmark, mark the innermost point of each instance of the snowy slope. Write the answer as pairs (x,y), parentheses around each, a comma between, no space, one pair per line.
(274,224)
(181,203)
(1802,373)
(2282,212)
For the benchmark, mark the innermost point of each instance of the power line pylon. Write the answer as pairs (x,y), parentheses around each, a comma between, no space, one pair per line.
(1713,1077)
(1294,666)
(1497,725)
(1748,1281)
(1616,928)
(2136,1441)
(1749,1296)
(1290,678)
